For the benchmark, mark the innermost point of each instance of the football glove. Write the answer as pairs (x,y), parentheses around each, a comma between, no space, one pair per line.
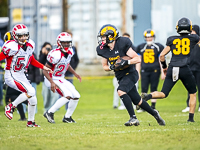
(121,64)
(112,67)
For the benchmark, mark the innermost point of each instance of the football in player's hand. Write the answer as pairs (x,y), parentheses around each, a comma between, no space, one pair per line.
(119,65)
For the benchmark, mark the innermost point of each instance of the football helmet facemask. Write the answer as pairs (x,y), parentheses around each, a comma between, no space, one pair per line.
(18,31)
(110,32)
(184,25)
(149,33)
(64,41)
(8,36)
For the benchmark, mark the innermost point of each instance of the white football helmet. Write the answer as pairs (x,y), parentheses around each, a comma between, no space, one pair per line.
(64,37)
(19,30)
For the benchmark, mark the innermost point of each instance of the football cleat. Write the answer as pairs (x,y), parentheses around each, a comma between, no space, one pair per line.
(9,109)
(140,110)
(68,120)
(144,96)
(115,107)
(24,119)
(187,109)
(121,107)
(190,120)
(32,124)
(160,121)
(132,121)
(49,116)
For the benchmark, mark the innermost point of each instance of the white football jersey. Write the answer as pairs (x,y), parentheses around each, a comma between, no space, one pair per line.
(59,61)
(17,59)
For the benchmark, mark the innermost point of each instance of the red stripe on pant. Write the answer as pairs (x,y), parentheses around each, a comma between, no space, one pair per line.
(59,92)
(20,87)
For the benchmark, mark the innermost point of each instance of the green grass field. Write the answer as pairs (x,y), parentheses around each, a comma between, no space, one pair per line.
(99,126)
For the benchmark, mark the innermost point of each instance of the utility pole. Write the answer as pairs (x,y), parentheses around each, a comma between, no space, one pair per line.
(65,15)
(123,8)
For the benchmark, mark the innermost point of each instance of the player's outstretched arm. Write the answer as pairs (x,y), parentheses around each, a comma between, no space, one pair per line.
(74,73)
(37,64)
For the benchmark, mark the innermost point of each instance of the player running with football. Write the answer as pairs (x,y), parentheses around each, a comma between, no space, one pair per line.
(178,68)
(19,54)
(111,48)
(58,60)
(150,64)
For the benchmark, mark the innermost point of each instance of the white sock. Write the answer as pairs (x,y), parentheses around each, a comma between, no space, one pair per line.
(31,112)
(22,97)
(71,107)
(59,103)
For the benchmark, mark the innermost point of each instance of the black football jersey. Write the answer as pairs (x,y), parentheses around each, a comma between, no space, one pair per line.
(181,47)
(149,56)
(122,44)
(194,58)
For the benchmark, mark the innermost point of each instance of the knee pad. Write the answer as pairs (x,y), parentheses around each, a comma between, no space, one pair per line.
(76,95)
(32,100)
(31,92)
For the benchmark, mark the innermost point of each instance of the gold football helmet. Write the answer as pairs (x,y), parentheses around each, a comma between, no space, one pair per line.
(8,36)
(149,33)
(110,32)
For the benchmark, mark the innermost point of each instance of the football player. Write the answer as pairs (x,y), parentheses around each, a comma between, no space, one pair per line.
(111,48)
(59,61)
(180,46)
(195,66)
(150,65)
(12,94)
(115,84)
(19,54)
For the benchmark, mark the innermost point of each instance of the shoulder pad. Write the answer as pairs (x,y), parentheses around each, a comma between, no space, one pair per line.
(31,43)
(10,48)
(71,51)
(54,56)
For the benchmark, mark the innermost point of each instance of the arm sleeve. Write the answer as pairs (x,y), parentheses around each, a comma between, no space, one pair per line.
(2,56)
(35,63)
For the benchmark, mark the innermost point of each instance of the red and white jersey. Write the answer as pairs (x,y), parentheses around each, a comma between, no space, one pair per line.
(17,59)
(60,62)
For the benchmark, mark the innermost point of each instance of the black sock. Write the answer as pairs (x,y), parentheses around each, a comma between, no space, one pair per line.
(191,117)
(153,105)
(147,108)
(128,104)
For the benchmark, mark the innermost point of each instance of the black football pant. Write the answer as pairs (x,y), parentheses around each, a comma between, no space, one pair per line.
(185,75)
(150,78)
